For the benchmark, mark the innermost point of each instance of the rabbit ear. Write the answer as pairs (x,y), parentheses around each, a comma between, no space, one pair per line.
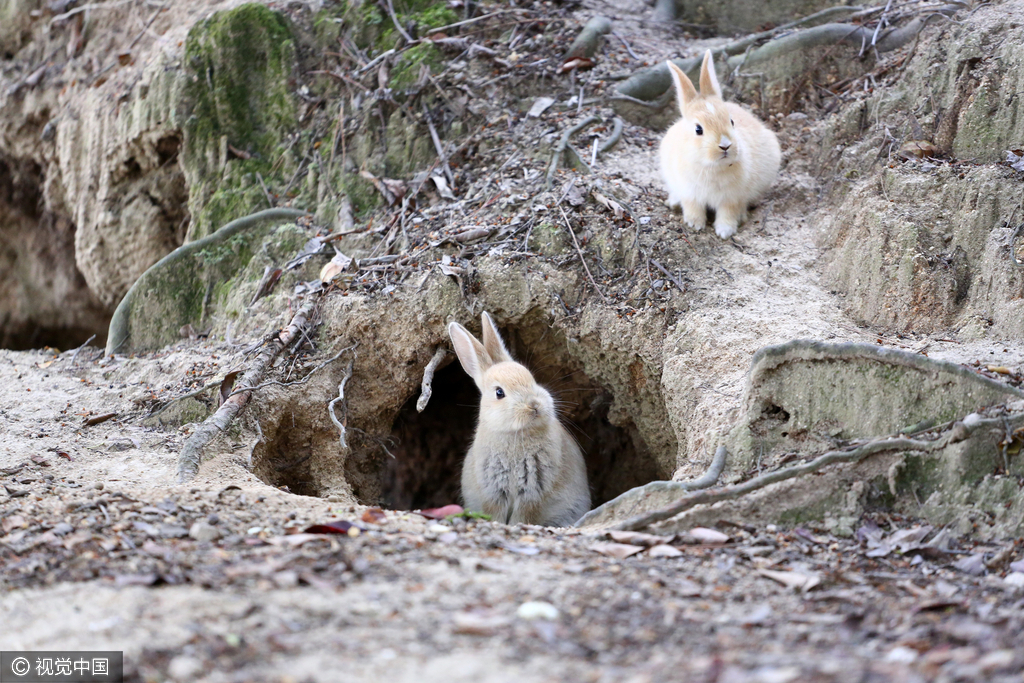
(493,344)
(708,78)
(471,353)
(684,87)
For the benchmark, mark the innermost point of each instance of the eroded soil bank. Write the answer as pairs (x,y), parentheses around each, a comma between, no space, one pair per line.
(895,569)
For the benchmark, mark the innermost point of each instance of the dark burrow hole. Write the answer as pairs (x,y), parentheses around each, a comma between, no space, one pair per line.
(429,447)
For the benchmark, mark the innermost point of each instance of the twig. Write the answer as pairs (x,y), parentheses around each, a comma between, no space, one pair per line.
(705,481)
(85,8)
(556,155)
(437,145)
(192,452)
(296,382)
(457,24)
(428,377)
(375,61)
(626,45)
(341,397)
(265,192)
(580,252)
(394,20)
(669,276)
(731,492)
(86,343)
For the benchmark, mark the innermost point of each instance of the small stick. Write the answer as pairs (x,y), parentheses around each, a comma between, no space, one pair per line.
(265,192)
(437,145)
(669,276)
(428,377)
(457,24)
(394,20)
(626,45)
(75,356)
(298,381)
(339,130)
(580,252)
(341,397)
(86,8)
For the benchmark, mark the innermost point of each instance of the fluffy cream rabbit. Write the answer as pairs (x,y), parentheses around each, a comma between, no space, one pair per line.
(523,466)
(718,155)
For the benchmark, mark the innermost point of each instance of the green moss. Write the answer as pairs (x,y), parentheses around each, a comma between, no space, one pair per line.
(370,26)
(361,192)
(407,69)
(328,23)
(239,64)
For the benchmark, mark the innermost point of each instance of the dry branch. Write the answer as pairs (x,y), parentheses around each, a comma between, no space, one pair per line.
(426,388)
(341,397)
(192,452)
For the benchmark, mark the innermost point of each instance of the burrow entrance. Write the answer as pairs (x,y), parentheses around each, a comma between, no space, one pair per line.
(429,447)
(419,463)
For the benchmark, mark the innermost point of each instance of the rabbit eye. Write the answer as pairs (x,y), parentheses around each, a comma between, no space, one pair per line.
(499,393)
(731,123)
(700,129)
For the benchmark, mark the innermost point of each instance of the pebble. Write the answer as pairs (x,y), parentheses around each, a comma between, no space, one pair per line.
(62,529)
(438,529)
(203,532)
(537,610)
(213,518)
(1015,579)
(185,668)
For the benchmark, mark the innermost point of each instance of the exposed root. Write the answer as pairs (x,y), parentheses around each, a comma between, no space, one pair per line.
(191,455)
(707,480)
(426,388)
(582,260)
(613,138)
(589,39)
(119,333)
(888,444)
(563,143)
(341,397)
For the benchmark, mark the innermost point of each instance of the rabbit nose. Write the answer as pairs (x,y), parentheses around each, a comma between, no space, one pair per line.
(534,405)
(725,143)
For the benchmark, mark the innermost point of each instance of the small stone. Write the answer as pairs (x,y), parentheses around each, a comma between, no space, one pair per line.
(438,529)
(996,660)
(537,610)
(901,655)
(172,531)
(1015,579)
(972,420)
(185,668)
(213,518)
(771,528)
(62,529)
(287,578)
(204,533)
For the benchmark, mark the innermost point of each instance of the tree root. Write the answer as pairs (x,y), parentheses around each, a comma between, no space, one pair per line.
(652,86)
(589,39)
(556,155)
(341,397)
(707,480)
(118,333)
(959,432)
(613,138)
(192,452)
(426,388)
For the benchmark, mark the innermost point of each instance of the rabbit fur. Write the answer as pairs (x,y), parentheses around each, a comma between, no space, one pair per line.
(524,466)
(717,155)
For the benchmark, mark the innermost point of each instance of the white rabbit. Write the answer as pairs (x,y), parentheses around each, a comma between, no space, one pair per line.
(523,466)
(718,155)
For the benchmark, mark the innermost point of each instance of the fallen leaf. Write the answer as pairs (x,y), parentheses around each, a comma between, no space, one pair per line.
(40,460)
(226,385)
(442,187)
(638,538)
(578,63)
(64,455)
(918,149)
(610,204)
(703,535)
(1015,160)
(311,248)
(972,564)
(335,267)
(540,105)
(374,516)
(664,551)
(792,579)
(471,234)
(90,421)
(44,364)
(339,526)
(124,58)
(441,512)
(619,551)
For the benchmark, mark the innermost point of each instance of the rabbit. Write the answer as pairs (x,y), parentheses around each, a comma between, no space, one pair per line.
(523,466)
(717,155)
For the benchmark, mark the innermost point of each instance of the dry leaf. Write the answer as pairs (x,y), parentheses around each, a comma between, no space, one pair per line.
(441,512)
(578,63)
(472,234)
(374,516)
(792,579)
(619,551)
(335,267)
(702,535)
(664,551)
(638,538)
(442,187)
(918,149)
(610,204)
(540,105)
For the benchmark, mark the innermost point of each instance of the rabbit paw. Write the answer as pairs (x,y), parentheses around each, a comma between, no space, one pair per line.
(725,230)
(694,215)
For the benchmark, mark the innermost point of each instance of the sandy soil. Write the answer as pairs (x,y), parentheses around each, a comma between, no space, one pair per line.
(97,553)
